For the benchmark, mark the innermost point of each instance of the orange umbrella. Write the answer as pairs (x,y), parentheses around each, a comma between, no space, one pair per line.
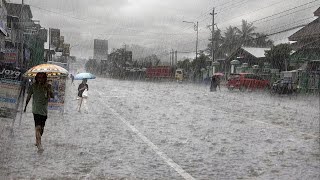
(51,70)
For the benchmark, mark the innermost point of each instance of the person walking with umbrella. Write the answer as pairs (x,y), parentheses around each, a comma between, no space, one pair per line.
(41,92)
(82,90)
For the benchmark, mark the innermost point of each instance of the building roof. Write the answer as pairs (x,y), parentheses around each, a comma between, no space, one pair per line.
(313,44)
(15,9)
(312,30)
(256,52)
(317,12)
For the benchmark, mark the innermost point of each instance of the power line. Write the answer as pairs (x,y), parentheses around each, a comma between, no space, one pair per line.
(281,13)
(281,1)
(285,11)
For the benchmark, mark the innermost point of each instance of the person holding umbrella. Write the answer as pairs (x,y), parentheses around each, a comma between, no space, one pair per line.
(81,93)
(83,88)
(41,92)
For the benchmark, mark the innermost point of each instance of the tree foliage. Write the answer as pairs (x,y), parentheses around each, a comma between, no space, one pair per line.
(92,66)
(185,64)
(278,56)
(235,37)
(117,63)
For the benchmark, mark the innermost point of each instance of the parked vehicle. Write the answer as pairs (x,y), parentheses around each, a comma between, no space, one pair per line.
(179,75)
(243,81)
(284,86)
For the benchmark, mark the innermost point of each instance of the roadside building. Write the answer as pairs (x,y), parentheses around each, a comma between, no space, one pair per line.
(20,18)
(306,57)
(307,41)
(3,23)
(249,58)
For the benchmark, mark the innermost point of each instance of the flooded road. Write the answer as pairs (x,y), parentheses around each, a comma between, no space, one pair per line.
(150,130)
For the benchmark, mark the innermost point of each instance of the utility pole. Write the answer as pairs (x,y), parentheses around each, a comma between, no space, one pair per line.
(212,36)
(197,40)
(49,57)
(172,57)
(21,63)
(212,41)
(196,28)
(176,58)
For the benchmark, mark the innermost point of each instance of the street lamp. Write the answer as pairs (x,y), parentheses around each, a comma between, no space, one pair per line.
(196,28)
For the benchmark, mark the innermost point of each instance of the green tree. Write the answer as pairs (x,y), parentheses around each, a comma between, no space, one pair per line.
(117,63)
(247,33)
(234,38)
(92,66)
(231,40)
(198,65)
(152,60)
(185,64)
(262,40)
(278,56)
(218,41)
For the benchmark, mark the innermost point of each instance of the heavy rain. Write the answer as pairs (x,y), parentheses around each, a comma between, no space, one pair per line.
(149,89)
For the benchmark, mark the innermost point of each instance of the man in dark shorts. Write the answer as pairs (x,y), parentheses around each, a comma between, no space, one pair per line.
(41,92)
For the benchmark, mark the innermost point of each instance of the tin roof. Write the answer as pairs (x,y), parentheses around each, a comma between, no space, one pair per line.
(256,52)
(312,30)
(317,12)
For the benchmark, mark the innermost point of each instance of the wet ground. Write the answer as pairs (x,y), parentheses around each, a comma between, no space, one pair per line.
(150,130)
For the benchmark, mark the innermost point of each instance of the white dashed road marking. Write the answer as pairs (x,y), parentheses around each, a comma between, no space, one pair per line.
(168,160)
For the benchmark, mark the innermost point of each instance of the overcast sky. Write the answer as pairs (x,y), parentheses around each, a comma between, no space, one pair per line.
(159,23)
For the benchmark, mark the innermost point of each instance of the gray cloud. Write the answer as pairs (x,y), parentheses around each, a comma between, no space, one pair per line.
(156,23)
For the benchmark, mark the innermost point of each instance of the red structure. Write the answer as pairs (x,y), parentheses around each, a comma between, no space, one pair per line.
(159,72)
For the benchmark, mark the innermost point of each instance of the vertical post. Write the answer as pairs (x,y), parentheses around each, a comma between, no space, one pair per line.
(197,41)
(212,36)
(175,59)
(212,42)
(49,57)
(285,65)
(21,34)
(170,58)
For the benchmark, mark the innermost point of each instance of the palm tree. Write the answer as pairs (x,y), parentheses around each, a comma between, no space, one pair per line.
(231,40)
(247,34)
(218,41)
(262,40)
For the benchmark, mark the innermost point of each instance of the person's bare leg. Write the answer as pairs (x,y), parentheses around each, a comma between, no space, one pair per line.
(38,138)
(80,103)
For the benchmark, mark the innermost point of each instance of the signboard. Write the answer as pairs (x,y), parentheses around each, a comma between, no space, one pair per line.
(9,96)
(55,37)
(9,56)
(9,93)
(58,86)
(8,73)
